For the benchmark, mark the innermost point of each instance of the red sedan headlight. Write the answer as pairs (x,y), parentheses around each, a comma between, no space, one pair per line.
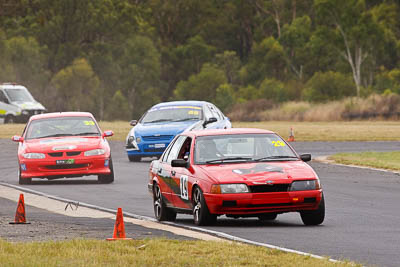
(305,185)
(34,155)
(94,152)
(229,188)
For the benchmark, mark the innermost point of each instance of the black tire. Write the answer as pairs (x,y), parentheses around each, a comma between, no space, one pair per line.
(23,180)
(161,212)
(314,217)
(134,158)
(201,214)
(107,178)
(9,119)
(267,216)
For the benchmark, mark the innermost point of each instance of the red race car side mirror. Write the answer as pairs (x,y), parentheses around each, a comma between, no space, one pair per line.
(108,133)
(17,138)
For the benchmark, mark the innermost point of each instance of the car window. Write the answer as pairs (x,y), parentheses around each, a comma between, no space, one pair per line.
(207,112)
(3,98)
(249,146)
(184,152)
(221,115)
(214,112)
(166,152)
(20,94)
(62,126)
(173,154)
(171,113)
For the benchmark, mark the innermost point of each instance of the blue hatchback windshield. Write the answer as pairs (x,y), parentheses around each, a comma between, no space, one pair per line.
(172,114)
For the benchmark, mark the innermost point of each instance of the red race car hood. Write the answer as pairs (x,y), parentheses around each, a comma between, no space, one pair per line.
(46,145)
(260,172)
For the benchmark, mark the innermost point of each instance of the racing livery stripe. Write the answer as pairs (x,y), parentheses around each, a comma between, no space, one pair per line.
(175,189)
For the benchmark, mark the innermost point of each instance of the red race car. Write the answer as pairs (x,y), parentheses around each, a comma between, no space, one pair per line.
(237,173)
(67,144)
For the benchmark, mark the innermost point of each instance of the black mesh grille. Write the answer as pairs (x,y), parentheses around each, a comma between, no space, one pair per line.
(310,200)
(266,188)
(73,153)
(157,138)
(154,149)
(56,154)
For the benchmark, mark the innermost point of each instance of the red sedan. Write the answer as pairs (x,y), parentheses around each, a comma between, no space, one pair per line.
(67,144)
(237,173)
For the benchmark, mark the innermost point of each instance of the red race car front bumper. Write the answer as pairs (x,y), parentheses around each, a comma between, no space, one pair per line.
(257,203)
(50,168)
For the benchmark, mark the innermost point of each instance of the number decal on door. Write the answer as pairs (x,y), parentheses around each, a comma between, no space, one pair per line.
(184,187)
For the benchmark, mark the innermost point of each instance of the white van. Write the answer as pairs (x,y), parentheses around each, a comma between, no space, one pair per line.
(17,104)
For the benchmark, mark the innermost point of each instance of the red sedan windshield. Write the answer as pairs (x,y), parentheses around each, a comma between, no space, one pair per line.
(62,126)
(249,147)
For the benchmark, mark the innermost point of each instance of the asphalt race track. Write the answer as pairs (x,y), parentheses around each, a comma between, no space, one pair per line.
(362,220)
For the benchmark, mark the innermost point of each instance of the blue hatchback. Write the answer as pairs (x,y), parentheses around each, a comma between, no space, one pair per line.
(161,123)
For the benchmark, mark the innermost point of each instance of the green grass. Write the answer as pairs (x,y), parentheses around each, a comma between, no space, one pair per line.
(381,160)
(332,131)
(155,252)
(303,131)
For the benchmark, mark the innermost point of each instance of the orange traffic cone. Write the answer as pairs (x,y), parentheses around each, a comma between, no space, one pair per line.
(291,135)
(119,228)
(20,214)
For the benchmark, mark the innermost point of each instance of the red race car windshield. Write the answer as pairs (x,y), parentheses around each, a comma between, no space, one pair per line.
(62,126)
(241,147)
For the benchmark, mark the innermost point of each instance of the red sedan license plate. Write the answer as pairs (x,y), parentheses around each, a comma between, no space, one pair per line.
(65,161)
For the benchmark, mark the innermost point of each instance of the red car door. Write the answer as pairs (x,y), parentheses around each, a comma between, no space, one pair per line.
(182,178)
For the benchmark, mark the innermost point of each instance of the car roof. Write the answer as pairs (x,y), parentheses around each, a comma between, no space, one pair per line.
(11,86)
(61,114)
(181,103)
(209,132)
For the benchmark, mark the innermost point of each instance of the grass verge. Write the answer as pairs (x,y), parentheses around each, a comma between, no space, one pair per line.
(381,160)
(332,131)
(303,131)
(155,252)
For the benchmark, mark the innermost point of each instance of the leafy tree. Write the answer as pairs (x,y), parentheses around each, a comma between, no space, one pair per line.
(225,96)
(328,86)
(388,80)
(272,89)
(356,33)
(294,39)
(229,62)
(201,86)
(77,88)
(7,73)
(247,93)
(27,60)
(118,107)
(267,60)
(139,65)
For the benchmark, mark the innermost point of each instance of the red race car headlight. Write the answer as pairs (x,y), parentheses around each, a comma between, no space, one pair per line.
(229,188)
(305,185)
(94,152)
(34,155)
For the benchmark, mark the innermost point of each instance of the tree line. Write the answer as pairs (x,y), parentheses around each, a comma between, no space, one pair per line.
(116,58)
